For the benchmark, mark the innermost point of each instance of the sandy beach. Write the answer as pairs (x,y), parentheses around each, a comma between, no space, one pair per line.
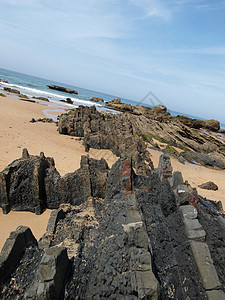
(17,132)
(197,175)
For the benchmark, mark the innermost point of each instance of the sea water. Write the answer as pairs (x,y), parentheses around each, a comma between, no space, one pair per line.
(35,86)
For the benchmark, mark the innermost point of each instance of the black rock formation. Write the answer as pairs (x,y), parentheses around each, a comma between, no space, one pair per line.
(110,131)
(146,237)
(127,133)
(32,183)
(62,89)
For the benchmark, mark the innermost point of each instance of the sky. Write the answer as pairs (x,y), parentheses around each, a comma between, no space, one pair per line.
(126,48)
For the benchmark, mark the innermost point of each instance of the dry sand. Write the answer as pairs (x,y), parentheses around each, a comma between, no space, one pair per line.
(16,133)
(197,175)
(13,219)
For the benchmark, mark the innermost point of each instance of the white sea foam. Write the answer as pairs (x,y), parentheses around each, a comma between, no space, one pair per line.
(35,92)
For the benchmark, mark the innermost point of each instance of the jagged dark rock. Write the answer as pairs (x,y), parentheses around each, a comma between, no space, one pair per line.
(209,186)
(62,89)
(32,183)
(139,125)
(139,240)
(110,131)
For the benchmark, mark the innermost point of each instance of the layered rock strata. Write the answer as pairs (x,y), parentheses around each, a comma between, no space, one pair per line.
(149,237)
(128,134)
(110,131)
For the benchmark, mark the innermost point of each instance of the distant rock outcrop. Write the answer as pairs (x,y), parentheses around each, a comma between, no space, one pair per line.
(62,89)
(97,99)
(68,100)
(212,125)
(41,98)
(7,89)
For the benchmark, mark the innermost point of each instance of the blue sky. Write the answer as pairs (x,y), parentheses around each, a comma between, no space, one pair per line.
(174,48)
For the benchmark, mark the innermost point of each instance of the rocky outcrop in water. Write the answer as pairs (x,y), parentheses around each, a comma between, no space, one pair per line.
(148,237)
(7,89)
(41,98)
(97,99)
(32,183)
(62,89)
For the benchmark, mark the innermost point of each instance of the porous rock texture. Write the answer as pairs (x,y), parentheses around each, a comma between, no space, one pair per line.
(32,183)
(141,240)
(110,131)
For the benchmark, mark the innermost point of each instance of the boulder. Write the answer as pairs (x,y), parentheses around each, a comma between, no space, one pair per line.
(213,125)
(23,96)
(97,99)
(69,101)
(41,98)
(159,109)
(115,101)
(11,90)
(209,186)
(118,105)
(62,89)
(193,123)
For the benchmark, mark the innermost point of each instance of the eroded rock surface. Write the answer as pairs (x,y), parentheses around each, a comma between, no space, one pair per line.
(142,239)
(32,183)
(107,131)
(127,134)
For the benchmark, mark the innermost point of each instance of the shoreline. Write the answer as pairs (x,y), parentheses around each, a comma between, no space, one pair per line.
(17,132)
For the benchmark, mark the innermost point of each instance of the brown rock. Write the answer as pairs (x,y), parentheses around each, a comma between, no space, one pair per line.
(118,105)
(96,99)
(69,101)
(11,90)
(62,89)
(209,186)
(41,98)
(211,125)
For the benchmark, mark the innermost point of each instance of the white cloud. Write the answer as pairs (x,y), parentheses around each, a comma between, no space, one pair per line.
(154,8)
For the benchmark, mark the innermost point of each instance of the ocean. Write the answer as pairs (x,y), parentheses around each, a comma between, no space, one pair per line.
(36,86)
